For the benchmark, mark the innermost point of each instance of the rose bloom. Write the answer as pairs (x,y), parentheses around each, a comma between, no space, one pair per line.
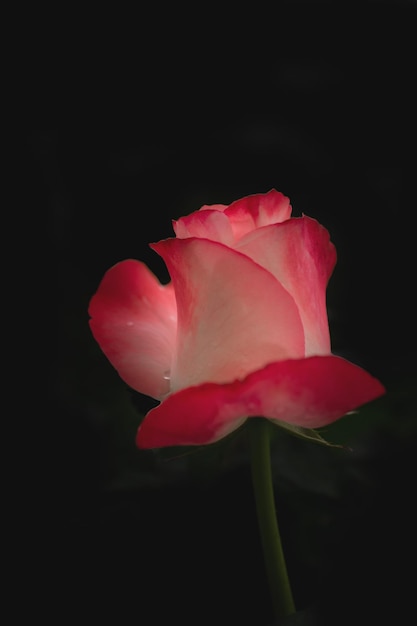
(240,331)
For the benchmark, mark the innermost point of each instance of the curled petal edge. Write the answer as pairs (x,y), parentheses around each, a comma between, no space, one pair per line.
(309,393)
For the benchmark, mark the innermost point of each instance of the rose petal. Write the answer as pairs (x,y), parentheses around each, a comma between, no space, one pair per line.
(205,224)
(258,210)
(309,392)
(300,255)
(213,207)
(234,317)
(134,320)
(227,224)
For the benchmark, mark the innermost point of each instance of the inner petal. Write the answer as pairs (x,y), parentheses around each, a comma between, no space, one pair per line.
(206,224)
(258,210)
(234,317)
(301,256)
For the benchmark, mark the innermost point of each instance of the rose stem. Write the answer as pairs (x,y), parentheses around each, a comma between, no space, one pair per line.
(280,589)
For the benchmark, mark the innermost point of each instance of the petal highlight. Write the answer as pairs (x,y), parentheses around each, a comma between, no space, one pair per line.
(134,320)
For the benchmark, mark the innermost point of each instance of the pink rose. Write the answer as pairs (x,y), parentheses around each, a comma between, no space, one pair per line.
(240,331)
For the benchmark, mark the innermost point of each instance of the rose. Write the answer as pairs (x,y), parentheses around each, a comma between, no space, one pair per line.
(240,331)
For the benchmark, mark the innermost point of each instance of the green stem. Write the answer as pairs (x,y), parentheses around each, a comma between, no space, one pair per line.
(276,568)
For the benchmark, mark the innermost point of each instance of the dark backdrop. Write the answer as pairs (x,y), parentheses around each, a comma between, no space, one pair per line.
(144,123)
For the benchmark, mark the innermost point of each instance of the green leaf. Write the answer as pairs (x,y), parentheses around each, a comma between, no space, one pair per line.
(306,433)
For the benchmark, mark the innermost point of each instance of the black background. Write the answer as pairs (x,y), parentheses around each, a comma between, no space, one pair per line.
(133,123)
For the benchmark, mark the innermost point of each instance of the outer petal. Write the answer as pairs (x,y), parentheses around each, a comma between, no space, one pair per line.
(258,210)
(301,256)
(309,392)
(234,317)
(134,320)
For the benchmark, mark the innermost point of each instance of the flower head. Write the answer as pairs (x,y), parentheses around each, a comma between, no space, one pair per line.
(240,331)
